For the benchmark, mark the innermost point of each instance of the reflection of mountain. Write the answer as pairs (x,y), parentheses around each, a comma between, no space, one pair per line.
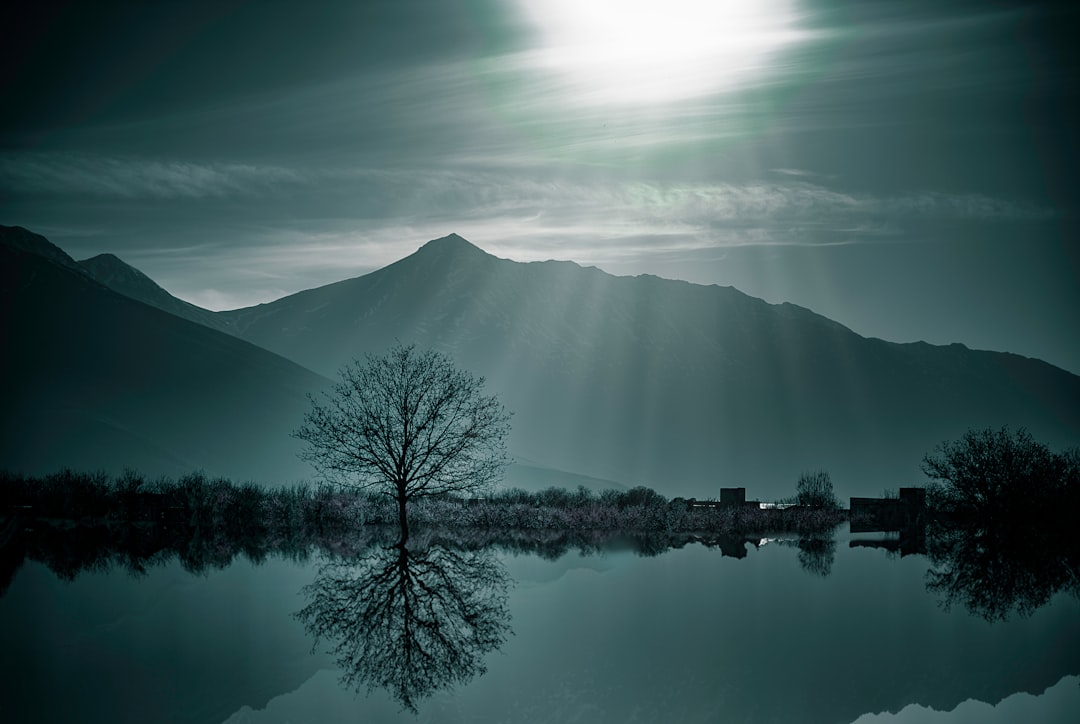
(672,384)
(92,379)
(409,621)
(165,647)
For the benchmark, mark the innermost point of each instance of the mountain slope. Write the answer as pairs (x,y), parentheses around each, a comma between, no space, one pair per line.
(666,383)
(125,279)
(95,380)
(20,239)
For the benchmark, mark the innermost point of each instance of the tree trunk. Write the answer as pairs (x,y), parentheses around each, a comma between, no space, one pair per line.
(402,520)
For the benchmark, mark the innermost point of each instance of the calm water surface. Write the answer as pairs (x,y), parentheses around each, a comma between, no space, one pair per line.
(690,635)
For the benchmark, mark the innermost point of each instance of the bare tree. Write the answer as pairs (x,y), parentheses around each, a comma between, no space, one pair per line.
(408,424)
(815,490)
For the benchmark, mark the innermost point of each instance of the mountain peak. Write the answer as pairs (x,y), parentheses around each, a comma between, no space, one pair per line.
(16,237)
(451,243)
(106,267)
(121,277)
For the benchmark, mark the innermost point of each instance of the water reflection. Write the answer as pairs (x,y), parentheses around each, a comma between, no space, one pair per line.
(907,541)
(993,569)
(605,628)
(411,621)
(996,571)
(816,552)
(816,555)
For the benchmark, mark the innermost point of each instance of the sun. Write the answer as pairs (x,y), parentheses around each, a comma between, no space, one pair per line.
(653,51)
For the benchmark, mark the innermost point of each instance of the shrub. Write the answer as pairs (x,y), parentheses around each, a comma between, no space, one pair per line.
(815,490)
(999,473)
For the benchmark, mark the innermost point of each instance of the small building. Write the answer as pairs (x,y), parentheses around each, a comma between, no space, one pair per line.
(732,496)
(729,498)
(870,515)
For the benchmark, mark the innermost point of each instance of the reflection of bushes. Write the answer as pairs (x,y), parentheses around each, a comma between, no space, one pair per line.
(816,555)
(996,573)
(1001,537)
(1004,565)
(76,522)
(816,552)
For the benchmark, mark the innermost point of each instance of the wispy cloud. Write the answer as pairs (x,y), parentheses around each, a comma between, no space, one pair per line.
(300,227)
(531,221)
(532,197)
(133,178)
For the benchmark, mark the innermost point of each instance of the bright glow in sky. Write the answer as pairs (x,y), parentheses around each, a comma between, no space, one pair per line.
(828,153)
(650,51)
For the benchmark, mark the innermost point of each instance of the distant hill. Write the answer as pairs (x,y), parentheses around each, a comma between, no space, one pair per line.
(530,476)
(125,279)
(94,380)
(679,386)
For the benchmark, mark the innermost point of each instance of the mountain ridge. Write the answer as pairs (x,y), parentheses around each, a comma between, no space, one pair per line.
(22,239)
(679,386)
(667,383)
(95,380)
(123,278)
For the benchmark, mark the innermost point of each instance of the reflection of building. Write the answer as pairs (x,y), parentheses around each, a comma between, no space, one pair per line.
(731,546)
(905,514)
(912,541)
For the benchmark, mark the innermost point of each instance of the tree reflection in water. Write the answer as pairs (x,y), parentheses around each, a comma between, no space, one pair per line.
(816,555)
(411,621)
(996,571)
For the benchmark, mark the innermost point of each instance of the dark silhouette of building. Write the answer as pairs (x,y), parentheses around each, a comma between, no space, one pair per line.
(905,514)
(732,496)
(870,515)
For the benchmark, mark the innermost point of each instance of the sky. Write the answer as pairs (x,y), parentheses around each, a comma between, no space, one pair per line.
(907,168)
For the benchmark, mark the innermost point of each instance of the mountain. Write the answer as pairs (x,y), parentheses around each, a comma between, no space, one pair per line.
(125,279)
(92,379)
(679,386)
(19,239)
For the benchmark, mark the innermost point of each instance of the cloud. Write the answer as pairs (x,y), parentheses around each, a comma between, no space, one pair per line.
(133,178)
(782,212)
(533,219)
(532,196)
(230,234)
(793,172)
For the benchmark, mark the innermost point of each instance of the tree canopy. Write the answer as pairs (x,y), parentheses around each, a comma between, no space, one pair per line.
(409,424)
(815,490)
(999,472)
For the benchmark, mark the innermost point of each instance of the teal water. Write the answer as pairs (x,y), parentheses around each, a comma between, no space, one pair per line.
(689,635)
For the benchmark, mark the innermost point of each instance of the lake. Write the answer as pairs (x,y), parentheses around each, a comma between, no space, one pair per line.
(824,632)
